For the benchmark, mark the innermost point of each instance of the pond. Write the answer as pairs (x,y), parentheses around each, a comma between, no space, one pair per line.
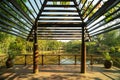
(70,61)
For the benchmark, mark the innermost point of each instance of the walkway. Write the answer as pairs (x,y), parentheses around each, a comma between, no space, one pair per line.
(62,72)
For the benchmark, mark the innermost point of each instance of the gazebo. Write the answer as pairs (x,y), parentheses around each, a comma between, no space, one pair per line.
(59,20)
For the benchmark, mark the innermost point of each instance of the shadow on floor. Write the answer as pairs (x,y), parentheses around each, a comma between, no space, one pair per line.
(20,72)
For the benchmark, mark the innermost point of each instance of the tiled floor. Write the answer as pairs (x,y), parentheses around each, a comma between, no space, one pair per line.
(60,72)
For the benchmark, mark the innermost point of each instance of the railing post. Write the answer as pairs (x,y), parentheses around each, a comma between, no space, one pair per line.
(42,59)
(75,60)
(25,60)
(91,59)
(58,59)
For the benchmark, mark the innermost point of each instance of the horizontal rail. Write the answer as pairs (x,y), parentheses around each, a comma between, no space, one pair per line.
(62,59)
(57,59)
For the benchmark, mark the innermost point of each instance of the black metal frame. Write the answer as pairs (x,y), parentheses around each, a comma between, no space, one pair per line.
(58,22)
(27,22)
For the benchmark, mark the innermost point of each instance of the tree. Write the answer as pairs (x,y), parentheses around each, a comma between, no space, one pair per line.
(73,46)
(108,42)
(7,40)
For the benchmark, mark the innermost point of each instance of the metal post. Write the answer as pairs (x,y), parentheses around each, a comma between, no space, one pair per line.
(35,54)
(83,52)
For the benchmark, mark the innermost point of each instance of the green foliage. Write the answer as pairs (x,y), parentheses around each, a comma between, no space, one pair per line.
(49,45)
(73,46)
(22,6)
(107,56)
(65,3)
(91,47)
(61,3)
(111,11)
(18,46)
(5,40)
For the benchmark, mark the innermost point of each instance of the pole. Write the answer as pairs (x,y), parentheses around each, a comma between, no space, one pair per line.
(83,52)
(35,53)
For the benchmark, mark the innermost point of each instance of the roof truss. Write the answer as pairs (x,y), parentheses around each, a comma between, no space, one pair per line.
(60,22)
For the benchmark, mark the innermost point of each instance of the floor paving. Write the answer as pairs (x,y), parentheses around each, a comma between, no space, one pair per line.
(59,72)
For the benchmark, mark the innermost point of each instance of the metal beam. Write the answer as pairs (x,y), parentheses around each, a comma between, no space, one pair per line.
(59,15)
(60,6)
(16,5)
(110,28)
(92,9)
(36,20)
(106,7)
(118,16)
(12,14)
(105,18)
(59,11)
(15,23)
(58,19)
(15,10)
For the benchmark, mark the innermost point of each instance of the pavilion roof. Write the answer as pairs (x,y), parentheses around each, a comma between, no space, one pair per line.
(57,20)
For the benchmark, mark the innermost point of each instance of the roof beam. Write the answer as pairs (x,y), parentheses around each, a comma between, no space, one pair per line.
(60,6)
(59,11)
(16,11)
(118,16)
(59,19)
(16,5)
(59,33)
(59,15)
(107,30)
(106,7)
(10,13)
(104,18)
(36,20)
